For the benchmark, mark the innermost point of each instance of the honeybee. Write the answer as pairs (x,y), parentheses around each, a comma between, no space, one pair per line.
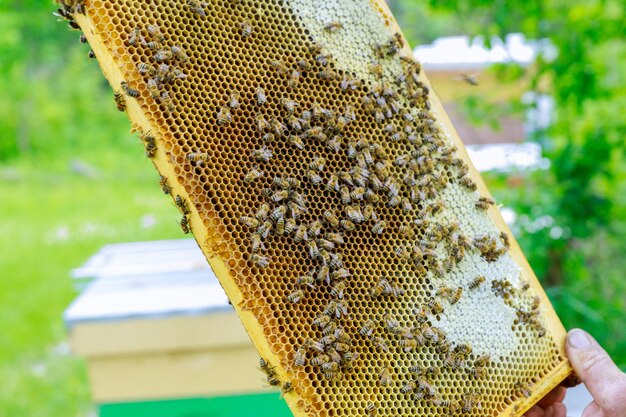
(370,409)
(327,74)
(197,7)
(278,213)
(224,116)
(348,82)
(304,65)
(91,54)
(135,37)
(294,79)
(266,368)
(295,296)
(320,360)
(198,157)
(261,98)
(278,127)
(311,344)
(301,234)
(260,260)
(483,203)
(256,244)
(167,102)
(131,92)
(294,123)
(333,26)
(179,54)
(262,154)
(385,375)
(536,302)
(367,329)
(289,105)
(321,320)
(287,387)
(184,224)
(379,227)
(253,174)
(435,306)
(476,282)
(347,225)
(120,102)
(246,28)
(380,343)
(250,222)
(376,69)
(296,141)
(455,296)
(233,100)
(338,289)
(505,239)
(162,55)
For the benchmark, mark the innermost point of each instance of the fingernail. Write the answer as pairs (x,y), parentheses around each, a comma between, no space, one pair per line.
(578,339)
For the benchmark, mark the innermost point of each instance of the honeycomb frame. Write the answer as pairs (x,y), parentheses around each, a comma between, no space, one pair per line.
(211,228)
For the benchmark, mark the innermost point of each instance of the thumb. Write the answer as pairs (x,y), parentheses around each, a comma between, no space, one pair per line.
(595,368)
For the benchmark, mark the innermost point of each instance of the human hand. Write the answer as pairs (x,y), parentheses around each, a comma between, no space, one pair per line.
(603,379)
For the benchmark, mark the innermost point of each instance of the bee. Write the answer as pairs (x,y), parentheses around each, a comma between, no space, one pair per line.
(296,141)
(505,239)
(262,154)
(301,234)
(179,54)
(250,222)
(376,69)
(233,100)
(295,296)
(266,368)
(120,102)
(184,224)
(278,213)
(385,375)
(256,244)
(379,227)
(304,65)
(348,82)
(260,260)
(198,157)
(261,98)
(135,37)
(224,116)
(380,343)
(482,361)
(162,55)
(289,105)
(408,344)
(525,285)
(408,387)
(294,79)
(253,174)
(435,306)
(131,92)
(167,102)
(483,203)
(287,387)
(320,360)
(311,344)
(197,7)
(536,302)
(347,225)
(338,289)
(476,282)
(246,28)
(370,409)
(321,320)
(294,123)
(278,127)
(91,54)
(327,74)
(455,296)
(153,89)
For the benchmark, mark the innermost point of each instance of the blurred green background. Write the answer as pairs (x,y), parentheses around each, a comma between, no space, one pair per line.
(72,177)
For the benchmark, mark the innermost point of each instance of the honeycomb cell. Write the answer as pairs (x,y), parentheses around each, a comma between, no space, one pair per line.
(359,254)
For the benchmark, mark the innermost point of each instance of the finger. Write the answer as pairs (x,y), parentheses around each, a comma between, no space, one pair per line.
(549,412)
(559,410)
(535,411)
(593,410)
(557,394)
(594,367)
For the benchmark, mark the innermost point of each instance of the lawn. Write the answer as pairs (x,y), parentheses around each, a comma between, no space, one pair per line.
(53,219)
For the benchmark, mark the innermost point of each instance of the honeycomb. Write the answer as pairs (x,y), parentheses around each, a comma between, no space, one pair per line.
(316,168)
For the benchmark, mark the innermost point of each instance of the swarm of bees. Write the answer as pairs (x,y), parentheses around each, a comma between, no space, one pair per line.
(403,166)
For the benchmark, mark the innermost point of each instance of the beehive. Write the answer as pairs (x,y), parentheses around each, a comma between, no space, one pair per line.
(335,202)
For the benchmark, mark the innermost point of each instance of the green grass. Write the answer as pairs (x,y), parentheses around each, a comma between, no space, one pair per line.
(52,221)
